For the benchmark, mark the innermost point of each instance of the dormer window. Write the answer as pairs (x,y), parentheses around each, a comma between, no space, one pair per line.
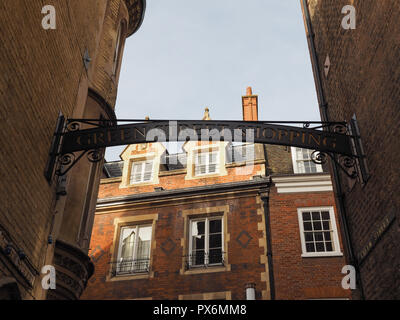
(141,171)
(302,162)
(206,163)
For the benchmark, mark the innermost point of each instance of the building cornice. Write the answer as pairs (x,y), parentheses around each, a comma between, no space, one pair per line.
(165,195)
(303,183)
(136,9)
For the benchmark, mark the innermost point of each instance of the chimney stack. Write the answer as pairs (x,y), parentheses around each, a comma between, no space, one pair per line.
(250,106)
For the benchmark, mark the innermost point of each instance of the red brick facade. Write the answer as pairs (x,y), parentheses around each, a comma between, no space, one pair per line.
(296,277)
(254,207)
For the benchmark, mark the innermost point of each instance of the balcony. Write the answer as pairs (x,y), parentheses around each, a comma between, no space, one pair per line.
(130,267)
(204,260)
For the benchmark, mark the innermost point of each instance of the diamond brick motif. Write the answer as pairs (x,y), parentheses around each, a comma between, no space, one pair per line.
(168,246)
(243,239)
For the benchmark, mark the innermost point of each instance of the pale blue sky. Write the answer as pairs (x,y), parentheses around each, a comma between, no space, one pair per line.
(189,55)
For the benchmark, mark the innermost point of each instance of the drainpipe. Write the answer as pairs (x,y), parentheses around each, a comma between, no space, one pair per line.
(264,195)
(339,194)
(265,200)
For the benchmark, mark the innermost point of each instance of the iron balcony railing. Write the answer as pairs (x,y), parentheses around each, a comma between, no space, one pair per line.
(204,260)
(125,267)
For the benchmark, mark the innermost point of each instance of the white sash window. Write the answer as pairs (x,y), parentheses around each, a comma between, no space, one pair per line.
(302,162)
(134,250)
(206,163)
(141,171)
(206,242)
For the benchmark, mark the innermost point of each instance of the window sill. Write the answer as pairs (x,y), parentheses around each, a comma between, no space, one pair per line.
(139,184)
(134,276)
(210,269)
(322,255)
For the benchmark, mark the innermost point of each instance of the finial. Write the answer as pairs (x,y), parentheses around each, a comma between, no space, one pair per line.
(249,92)
(206,114)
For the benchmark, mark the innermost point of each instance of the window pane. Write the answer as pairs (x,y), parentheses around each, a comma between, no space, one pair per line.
(309,167)
(310,247)
(316,216)
(308,236)
(127,242)
(215,241)
(198,257)
(306,216)
(144,238)
(325,215)
(202,169)
(318,236)
(326,225)
(300,167)
(320,246)
(137,172)
(198,236)
(329,246)
(317,225)
(148,171)
(327,236)
(198,242)
(201,158)
(307,226)
(201,227)
(127,245)
(215,256)
(213,157)
(215,226)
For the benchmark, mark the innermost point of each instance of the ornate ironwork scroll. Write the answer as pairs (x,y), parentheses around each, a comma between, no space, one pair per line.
(331,139)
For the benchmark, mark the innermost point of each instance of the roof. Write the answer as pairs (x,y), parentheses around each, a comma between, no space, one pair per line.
(114,169)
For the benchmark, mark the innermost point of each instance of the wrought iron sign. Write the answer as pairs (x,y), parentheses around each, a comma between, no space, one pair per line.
(71,143)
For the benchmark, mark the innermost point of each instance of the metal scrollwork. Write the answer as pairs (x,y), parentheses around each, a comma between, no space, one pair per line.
(339,128)
(306,125)
(319,157)
(73,126)
(347,161)
(94,155)
(348,165)
(67,159)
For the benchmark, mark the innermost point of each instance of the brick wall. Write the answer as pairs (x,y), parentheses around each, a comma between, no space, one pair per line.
(364,80)
(42,73)
(168,282)
(299,277)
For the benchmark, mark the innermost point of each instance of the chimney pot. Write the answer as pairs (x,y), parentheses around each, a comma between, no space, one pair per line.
(250,106)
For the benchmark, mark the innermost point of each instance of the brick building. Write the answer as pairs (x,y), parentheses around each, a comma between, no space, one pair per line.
(216,221)
(354,52)
(64,58)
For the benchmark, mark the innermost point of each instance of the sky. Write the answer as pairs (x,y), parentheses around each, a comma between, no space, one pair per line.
(189,55)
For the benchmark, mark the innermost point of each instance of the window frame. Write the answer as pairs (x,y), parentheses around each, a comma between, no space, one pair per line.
(206,241)
(134,255)
(207,165)
(335,235)
(295,162)
(143,171)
